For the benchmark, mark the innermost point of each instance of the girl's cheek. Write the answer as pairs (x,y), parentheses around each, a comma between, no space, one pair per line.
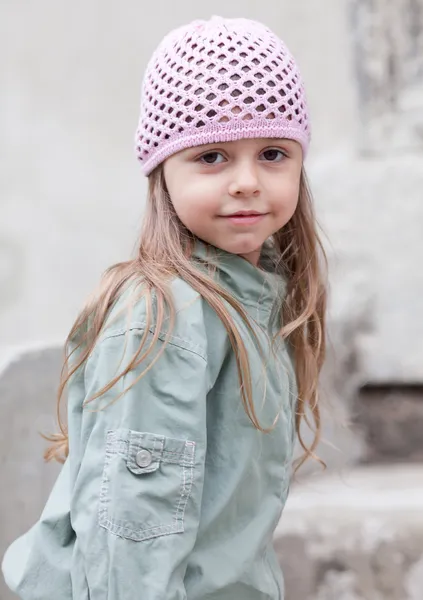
(292,185)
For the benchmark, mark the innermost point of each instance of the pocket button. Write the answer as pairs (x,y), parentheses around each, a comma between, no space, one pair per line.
(143,458)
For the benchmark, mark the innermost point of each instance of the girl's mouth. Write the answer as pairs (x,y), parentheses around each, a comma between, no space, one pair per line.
(248,218)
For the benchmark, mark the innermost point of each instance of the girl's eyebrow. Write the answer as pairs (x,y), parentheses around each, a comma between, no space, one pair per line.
(261,142)
(211,147)
(200,149)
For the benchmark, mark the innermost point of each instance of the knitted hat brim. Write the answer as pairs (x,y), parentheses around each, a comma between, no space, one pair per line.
(232,130)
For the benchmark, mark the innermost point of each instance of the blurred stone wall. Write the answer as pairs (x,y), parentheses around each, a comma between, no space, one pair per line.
(388,58)
(71,202)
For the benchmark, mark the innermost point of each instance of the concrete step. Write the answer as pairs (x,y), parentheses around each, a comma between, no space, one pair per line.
(354,536)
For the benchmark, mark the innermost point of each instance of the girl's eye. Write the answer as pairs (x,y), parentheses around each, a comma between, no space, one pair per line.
(209,158)
(272,154)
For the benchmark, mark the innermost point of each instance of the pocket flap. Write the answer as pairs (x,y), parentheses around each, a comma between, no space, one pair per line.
(145,451)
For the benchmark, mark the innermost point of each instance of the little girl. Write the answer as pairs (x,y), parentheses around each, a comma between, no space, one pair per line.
(189,372)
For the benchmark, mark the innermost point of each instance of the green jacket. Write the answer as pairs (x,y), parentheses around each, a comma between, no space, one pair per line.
(170,493)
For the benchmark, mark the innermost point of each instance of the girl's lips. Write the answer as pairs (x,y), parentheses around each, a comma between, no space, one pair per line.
(245,219)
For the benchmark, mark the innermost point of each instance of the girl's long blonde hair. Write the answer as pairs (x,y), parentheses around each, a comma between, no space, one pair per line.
(164,252)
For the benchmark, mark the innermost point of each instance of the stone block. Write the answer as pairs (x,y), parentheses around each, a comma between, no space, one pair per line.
(349,323)
(372,213)
(28,385)
(358,536)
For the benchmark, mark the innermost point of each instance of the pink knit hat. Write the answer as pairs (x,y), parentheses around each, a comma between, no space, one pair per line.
(218,81)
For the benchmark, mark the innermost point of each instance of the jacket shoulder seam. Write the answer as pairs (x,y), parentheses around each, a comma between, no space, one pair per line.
(174,340)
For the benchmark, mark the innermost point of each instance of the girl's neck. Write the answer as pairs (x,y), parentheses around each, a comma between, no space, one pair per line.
(252,257)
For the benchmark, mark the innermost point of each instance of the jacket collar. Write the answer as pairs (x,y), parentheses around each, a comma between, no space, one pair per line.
(261,288)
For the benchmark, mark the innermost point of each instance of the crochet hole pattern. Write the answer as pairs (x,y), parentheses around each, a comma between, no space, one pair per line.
(202,80)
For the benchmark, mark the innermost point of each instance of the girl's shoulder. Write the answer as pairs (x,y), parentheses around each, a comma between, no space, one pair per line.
(195,326)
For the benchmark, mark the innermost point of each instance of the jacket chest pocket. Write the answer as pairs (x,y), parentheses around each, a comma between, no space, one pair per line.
(146,484)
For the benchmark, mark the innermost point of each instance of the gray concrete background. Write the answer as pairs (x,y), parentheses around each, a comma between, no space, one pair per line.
(71,200)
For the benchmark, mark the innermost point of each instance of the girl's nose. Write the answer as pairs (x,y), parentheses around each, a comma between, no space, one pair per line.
(245,181)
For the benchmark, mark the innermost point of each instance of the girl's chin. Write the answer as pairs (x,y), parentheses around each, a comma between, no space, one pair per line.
(246,247)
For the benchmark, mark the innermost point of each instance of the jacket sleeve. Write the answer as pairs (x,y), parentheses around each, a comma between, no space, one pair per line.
(138,465)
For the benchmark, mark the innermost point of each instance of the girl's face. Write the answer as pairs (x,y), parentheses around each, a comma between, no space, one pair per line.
(257,178)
